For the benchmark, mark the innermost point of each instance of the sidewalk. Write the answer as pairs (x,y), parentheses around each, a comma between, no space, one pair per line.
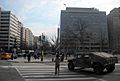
(46,59)
(7,73)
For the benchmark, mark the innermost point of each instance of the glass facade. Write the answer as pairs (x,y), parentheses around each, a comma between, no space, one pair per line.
(114,29)
(83,29)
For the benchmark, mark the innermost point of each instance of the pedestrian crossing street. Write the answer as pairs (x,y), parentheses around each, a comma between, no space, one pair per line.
(45,72)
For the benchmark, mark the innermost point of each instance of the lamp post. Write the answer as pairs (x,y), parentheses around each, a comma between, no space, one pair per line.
(42,40)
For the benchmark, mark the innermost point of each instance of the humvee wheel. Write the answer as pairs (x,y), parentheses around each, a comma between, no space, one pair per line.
(110,68)
(70,66)
(98,69)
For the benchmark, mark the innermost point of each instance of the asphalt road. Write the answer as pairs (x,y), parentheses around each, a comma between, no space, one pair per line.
(44,71)
(7,73)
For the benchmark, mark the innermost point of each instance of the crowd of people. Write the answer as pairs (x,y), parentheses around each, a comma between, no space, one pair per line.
(28,55)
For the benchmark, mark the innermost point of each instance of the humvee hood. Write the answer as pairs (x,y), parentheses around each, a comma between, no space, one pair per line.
(103,54)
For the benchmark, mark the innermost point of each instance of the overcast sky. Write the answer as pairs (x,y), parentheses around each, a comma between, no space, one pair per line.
(43,16)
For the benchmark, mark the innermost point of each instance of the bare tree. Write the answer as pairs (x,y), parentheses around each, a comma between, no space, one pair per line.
(77,33)
(83,37)
(53,40)
(103,41)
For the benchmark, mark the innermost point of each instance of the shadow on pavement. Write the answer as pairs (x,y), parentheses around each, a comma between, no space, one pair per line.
(90,73)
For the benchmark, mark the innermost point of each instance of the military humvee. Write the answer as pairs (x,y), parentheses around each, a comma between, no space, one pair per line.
(96,60)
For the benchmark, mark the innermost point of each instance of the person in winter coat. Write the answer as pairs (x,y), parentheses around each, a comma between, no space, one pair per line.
(57,64)
(29,57)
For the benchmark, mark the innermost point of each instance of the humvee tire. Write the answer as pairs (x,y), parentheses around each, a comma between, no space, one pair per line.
(98,69)
(110,68)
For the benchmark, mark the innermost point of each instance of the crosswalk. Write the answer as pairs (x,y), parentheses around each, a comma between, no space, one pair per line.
(45,72)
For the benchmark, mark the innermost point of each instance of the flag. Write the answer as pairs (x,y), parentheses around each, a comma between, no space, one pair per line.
(64,4)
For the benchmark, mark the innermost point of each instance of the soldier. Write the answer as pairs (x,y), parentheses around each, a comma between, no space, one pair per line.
(57,64)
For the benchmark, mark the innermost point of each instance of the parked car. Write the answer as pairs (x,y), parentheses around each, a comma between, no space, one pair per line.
(5,55)
(96,60)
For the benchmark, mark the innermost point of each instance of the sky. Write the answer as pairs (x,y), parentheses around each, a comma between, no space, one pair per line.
(43,16)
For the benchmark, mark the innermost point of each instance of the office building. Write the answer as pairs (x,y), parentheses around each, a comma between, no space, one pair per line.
(36,42)
(12,33)
(8,30)
(23,41)
(83,29)
(114,29)
(29,39)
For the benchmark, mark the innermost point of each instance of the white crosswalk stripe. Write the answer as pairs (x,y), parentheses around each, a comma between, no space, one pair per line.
(44,72)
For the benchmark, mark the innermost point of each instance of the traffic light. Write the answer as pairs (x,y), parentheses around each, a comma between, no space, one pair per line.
(39,38)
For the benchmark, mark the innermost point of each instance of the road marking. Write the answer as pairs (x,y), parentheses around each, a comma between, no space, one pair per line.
(61,79)
(101,80)
(19,72)
(53,76)
(24,70)
(44,66)
(39,73)
(25,74)
(42,72)
(27,66)
(5,66)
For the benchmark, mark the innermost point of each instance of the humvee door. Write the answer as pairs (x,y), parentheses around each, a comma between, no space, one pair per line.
(79,60)
(83,60)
